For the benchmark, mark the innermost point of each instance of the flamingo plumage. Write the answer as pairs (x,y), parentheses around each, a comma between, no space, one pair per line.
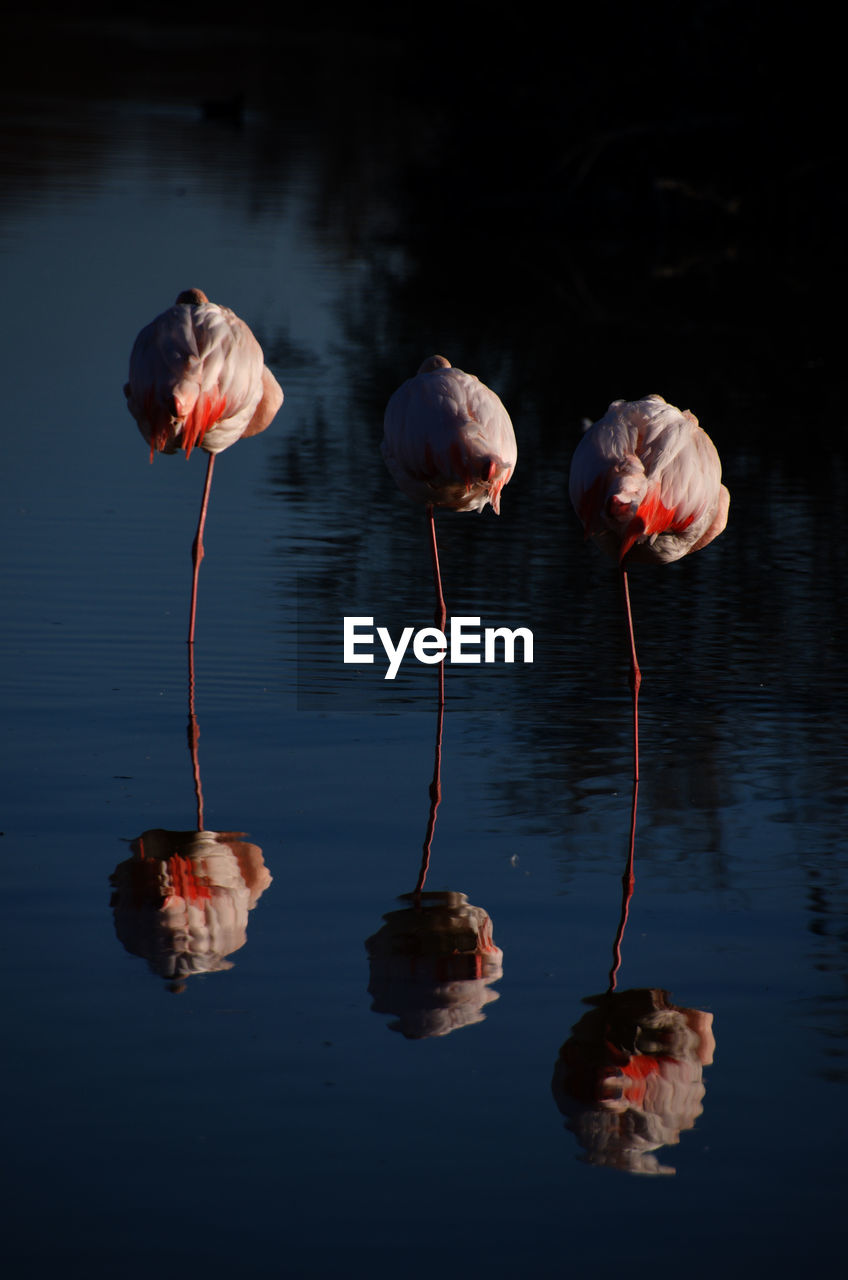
(198,380)
(646,484)
(448,442)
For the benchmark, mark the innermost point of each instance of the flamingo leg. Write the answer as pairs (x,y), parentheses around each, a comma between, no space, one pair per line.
(193,731)
(197,547)
(435,789)
(628,883)
(635,674)
(441,612)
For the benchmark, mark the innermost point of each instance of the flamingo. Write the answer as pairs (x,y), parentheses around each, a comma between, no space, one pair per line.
(198,379)
(646,484)
(448,442)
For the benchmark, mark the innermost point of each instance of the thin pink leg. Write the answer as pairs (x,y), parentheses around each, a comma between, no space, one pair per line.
(441,612)
(436,784)
(628,883)
(197,547)
(193,736)
(635,675)
(435,788)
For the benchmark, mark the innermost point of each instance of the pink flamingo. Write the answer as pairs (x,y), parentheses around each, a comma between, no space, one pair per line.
(646,484)
(198,379)
(448,441)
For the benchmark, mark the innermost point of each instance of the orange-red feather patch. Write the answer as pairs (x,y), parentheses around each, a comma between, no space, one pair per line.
(651,518)
(206,411)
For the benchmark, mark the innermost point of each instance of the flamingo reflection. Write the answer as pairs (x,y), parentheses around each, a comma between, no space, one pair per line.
(182,900)
(629,1078)
(433,960)
(432,963)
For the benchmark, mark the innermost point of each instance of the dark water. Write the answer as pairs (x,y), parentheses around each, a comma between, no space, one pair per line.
(233,1046)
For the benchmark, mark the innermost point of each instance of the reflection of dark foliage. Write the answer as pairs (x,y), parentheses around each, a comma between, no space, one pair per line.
(638,191)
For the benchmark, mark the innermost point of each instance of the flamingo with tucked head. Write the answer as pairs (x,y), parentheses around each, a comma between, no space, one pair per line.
(198,380)
(448,442)
(646,483)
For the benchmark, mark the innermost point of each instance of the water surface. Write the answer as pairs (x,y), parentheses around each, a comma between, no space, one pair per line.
(341,1077)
